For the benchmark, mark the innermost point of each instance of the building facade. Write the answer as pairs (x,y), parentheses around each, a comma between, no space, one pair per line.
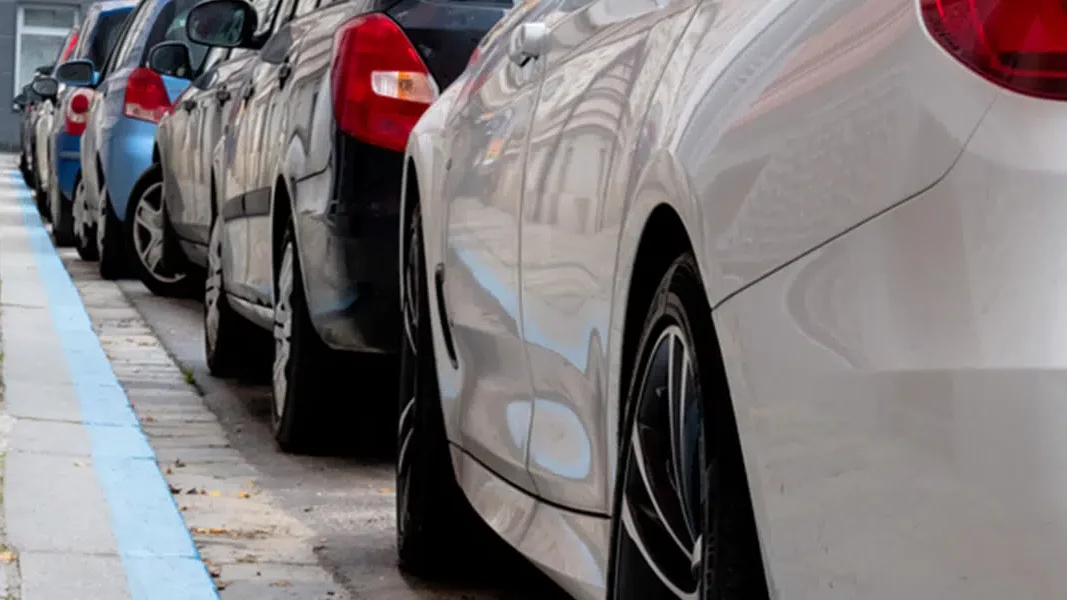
(31,35)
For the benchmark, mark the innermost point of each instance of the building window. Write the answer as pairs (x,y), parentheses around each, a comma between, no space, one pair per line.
(39,34)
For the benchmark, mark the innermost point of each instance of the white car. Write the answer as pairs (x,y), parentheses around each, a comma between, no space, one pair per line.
(732,299)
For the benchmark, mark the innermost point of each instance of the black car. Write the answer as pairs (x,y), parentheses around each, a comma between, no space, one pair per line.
(306,185)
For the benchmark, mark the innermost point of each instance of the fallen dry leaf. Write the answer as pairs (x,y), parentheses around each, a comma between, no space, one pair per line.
(211,530)
(281,583)
(174,490)
(385,490)
(149,419)
(7,557)
(244,495)
(79,463)
(178,463)
(168,471)
(214,570)
(183,508)
(214,494)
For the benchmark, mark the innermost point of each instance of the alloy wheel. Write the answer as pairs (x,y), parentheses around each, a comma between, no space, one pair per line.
(669,478)
(148,224)
(410,298)
(101,223)
(78,212)
(213,286)
(283,330)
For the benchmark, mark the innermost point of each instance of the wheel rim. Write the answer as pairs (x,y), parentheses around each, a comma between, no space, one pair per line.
(665,495)
(283,330)
(148,234)
(101,224)
(411,297)
(213,287)
(78,213)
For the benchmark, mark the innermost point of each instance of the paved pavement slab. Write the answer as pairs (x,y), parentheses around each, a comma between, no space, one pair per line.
(86,512)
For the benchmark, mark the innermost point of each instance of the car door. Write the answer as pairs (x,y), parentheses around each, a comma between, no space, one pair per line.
(482,192)
(602,63)
(243,146)
(183,128)
(272,94)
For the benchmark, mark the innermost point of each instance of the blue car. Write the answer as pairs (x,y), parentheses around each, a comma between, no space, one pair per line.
(94,40)
(129,99)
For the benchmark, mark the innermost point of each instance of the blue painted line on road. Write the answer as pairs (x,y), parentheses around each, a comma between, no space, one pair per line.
(158,554)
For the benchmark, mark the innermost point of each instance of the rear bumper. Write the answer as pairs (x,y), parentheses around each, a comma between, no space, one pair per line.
(901,390)
(129,156)
(348,248)
(68,162)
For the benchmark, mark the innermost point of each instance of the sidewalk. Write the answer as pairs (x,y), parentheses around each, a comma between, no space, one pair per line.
(86,512)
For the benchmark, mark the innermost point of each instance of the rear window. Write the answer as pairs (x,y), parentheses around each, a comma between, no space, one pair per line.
(170,27)
(106,35)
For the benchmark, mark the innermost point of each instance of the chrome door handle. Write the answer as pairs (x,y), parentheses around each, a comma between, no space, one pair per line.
(528,42)
(223,96)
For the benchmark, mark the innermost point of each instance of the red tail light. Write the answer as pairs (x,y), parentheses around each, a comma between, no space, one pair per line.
(70,47)
(78,112)
(1018,44)
(146,96)
(380,85)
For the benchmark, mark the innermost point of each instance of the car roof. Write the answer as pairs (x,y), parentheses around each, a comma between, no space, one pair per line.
(112,5)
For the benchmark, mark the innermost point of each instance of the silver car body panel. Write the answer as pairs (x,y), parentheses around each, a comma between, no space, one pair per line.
(777,130)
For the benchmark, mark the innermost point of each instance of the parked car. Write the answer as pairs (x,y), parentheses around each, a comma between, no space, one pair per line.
(185,140)
(304,211)
(92,40)
(703,299)
(28,100)
(128,101)
(43,119)
(28,131)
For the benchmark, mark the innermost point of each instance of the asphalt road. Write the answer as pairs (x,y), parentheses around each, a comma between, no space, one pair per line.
(346,498)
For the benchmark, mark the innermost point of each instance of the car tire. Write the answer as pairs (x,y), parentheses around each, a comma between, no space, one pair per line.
(83,223)
(109,241)
(227,335)
(432,512)
(669,465)
(145,232)
(41,198)
(62,220)
(304,367)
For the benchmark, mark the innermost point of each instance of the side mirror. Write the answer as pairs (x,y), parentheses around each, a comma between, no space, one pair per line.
(32,97)
(78,73)
(171,58)
(44,71)
(223,23)
(46,87)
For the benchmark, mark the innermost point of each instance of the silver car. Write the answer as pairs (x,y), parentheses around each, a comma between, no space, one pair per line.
(745,298)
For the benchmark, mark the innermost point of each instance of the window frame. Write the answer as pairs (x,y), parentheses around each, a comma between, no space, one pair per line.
(21,28)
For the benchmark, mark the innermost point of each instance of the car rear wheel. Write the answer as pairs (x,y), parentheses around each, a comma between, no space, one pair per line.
(227,335)
(145,233)
(84,224)
(683,525)
(303,364)
(62,220)
(432,512)
(109,241)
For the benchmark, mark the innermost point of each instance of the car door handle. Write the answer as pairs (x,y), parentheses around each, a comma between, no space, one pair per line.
(284,71)
(223,96)
(528,42)
(248,92)
(188,104)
